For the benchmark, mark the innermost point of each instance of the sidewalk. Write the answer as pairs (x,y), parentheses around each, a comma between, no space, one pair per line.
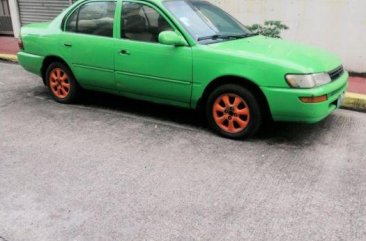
(355,98)
(8,48)
(357,85)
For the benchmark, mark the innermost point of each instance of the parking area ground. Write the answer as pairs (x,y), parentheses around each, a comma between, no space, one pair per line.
(111,168)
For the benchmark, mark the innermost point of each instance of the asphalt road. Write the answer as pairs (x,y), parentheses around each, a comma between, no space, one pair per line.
(110,168)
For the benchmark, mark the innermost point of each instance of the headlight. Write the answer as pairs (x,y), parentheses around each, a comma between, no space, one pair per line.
(308,80)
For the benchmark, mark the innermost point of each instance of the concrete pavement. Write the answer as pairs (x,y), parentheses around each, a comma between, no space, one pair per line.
(111,168)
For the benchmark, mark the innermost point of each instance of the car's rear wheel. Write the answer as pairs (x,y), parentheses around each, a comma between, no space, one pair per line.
(61,82)
(233,112)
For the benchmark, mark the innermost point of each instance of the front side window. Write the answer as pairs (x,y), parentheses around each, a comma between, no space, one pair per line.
(142,23)
(95,18)
(206,22)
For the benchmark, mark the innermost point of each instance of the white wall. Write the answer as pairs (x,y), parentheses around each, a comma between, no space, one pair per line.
(14,13)
(336,25)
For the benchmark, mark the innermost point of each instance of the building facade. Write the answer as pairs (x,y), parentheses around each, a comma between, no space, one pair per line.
(5,19)
(16,13)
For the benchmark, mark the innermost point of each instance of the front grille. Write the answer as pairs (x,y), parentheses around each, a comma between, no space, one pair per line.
(335,74)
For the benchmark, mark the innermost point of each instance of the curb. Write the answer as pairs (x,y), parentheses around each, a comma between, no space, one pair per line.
(9,57)
(355,101)
(352,101)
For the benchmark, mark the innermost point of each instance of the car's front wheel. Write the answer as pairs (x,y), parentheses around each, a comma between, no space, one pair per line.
(233,112)
(61,83)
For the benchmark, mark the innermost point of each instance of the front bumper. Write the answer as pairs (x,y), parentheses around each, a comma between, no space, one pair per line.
(285,104)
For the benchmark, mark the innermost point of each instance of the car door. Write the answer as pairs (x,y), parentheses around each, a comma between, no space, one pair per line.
(88,44)
(143,66)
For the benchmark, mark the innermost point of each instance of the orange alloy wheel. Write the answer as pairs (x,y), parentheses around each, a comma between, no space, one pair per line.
(231,113)
(59,83)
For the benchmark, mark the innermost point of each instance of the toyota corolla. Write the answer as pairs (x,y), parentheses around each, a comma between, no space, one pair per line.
(186,53)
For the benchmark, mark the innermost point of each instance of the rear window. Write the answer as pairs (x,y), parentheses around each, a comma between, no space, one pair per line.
(95,18)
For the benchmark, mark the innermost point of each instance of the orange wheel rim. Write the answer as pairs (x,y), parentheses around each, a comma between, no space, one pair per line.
(59,83)
(231,113)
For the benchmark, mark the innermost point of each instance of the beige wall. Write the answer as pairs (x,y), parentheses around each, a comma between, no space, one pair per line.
(336,25)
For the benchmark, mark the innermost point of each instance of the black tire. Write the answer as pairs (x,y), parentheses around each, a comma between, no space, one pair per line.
(253,119)
(73,90)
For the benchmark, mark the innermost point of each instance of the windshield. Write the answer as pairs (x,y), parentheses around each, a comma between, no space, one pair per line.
(206,22)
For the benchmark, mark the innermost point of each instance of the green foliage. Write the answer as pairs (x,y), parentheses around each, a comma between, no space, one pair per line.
(270,28)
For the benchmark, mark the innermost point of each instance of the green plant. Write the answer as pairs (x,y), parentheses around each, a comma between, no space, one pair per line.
(270,28)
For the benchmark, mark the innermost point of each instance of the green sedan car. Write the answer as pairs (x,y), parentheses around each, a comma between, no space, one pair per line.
(186,53)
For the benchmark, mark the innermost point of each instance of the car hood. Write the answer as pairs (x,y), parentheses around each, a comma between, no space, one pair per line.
(294,56)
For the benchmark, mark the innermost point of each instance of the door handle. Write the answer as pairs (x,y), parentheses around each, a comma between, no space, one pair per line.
(68,44)
(124,52)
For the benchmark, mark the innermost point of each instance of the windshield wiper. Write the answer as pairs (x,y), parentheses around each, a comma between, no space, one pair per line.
(250,35)
(227,36)
(217,36)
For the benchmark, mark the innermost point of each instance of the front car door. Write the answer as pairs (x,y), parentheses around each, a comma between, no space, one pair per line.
(88,44)
(143,66)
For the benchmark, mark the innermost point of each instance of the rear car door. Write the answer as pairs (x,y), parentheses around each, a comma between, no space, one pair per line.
(88,45)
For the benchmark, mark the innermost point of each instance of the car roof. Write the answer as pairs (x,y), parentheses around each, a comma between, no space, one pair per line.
(153,1)
(159,1)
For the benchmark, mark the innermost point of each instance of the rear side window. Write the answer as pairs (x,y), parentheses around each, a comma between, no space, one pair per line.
(95,18)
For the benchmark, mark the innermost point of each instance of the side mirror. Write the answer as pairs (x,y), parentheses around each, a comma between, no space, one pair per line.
(171,38)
